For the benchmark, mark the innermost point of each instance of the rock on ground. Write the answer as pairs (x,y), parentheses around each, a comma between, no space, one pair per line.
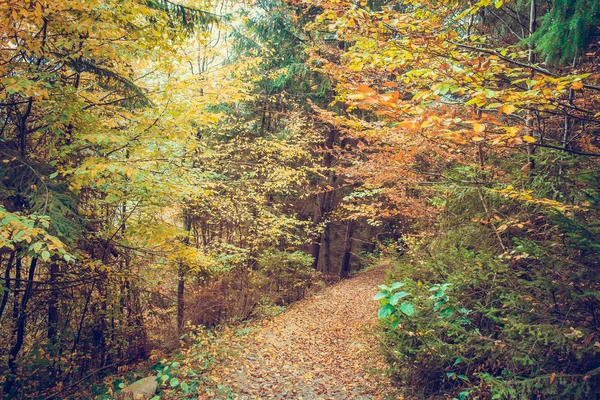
(142,389)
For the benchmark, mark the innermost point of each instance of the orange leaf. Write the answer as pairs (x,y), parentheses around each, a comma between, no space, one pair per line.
(577,85)
(364,89)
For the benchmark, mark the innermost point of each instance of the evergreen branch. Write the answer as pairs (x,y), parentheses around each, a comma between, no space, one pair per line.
(81,65)
(189,16)
(580,153)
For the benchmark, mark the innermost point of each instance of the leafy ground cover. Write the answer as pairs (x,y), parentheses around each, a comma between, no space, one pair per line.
(323,347)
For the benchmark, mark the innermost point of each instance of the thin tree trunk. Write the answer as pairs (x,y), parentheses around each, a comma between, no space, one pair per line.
(6,283)
(187,226)
(315,246)
(532,28)
(345,266)
(180,301)
(326,248)
(19,333)
(53,304)
(531,59)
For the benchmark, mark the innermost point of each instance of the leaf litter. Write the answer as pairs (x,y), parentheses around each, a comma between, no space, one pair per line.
(324,347)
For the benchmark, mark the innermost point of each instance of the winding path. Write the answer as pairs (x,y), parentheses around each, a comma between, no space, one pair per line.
(323,347)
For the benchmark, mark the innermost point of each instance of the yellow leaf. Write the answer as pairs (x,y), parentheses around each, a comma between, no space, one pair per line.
(502,228)
(508,109)
(528,139)
(478,127)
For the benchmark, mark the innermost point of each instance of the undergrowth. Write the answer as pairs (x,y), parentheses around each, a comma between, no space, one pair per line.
(502,300)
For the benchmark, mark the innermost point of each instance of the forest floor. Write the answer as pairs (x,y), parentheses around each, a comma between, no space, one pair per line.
(323,347)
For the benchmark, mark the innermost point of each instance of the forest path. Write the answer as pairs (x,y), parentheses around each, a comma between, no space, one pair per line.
(323,347)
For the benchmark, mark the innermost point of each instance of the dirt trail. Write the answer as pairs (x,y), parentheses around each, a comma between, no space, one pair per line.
(321,348)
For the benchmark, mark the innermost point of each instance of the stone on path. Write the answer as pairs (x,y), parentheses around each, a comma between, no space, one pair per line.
(142,389)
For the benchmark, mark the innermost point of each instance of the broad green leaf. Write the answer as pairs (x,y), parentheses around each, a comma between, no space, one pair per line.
(174,382)
(380,296)
(385,311)
(447,312)
(397,296)
(407,308)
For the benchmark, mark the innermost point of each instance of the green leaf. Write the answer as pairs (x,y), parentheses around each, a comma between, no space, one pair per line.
(440,303)
(457,361)
(397,285)
(184,386)
(45,255)
(385,311)
(164,378)
(380,296)
(437,295)
(174,382)
(447,312)
(407,308)
(397,296)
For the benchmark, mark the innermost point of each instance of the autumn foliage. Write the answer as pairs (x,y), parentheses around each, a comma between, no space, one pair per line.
(168,167)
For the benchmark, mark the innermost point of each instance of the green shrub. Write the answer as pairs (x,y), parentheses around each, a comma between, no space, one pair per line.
(469,317)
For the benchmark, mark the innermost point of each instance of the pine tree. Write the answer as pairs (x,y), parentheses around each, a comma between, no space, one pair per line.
(566,30)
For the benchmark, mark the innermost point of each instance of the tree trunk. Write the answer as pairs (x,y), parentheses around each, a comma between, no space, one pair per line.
(327,206)
(531,59)
(6,283)
(315,246)
(53,304)
(326,249)
(180,301)
(345,266)
(187,227)
(19,331)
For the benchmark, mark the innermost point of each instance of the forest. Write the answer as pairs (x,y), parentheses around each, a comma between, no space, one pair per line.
(286,199)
